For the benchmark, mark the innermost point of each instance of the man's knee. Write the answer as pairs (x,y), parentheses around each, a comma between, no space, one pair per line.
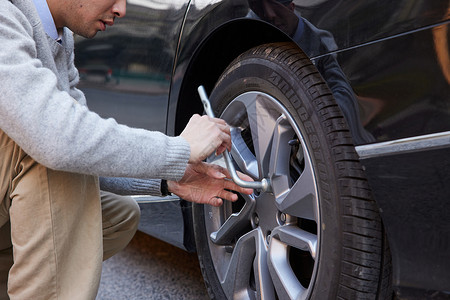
(132,212)
(121,216)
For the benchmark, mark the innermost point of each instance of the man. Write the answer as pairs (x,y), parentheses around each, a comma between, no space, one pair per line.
(52,150)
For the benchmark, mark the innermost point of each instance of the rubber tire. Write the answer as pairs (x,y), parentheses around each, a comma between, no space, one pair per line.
(354,258)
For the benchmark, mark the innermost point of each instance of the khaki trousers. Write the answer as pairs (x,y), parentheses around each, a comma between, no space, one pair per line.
(56,228)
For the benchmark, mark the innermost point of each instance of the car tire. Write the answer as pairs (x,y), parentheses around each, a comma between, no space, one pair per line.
(317,233)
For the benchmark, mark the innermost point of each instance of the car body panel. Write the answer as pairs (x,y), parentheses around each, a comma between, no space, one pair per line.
(386,62)
(355,23)
(167,219)
(404,97)
(140,52)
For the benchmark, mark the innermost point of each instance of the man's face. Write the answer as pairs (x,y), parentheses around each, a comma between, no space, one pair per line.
(86,17)
(276,13)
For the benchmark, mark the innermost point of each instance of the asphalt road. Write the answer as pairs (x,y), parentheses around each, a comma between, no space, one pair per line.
(151,269)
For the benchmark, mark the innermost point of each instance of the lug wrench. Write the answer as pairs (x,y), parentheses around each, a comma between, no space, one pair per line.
(264,184)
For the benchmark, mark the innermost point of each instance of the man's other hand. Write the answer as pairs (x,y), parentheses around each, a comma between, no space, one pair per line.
(207,184)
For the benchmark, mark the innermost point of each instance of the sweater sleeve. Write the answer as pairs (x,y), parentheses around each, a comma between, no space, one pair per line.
(131,186)
(62,134)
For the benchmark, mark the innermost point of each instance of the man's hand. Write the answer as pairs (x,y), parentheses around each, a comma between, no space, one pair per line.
(204,135)
(207,184)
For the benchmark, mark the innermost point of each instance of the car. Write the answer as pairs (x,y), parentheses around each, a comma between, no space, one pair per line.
(343,106)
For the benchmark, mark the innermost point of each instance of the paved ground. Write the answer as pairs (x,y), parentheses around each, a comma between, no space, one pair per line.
(151,269)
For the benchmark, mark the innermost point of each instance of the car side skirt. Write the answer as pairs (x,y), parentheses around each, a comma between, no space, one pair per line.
(410,180)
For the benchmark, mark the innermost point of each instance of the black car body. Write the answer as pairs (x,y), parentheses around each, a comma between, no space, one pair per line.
(387,64)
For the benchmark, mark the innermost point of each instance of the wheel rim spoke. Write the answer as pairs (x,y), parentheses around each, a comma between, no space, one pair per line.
(263,280)
(297,238)
(235,224)
(236,281)
(242,155)
(262,122)
(283,278)
(301,199)
(279,156)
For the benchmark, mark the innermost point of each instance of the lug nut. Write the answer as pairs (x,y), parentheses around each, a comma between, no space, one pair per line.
(256,220)
(294,142)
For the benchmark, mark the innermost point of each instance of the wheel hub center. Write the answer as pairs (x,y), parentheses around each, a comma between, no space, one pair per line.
(266,215)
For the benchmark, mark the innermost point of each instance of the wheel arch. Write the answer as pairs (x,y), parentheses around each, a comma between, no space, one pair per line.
(221,47)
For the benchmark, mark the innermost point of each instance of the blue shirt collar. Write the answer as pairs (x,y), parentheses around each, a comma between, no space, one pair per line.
(47,19)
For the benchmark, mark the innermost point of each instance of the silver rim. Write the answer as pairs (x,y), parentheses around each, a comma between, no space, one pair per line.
(267,244)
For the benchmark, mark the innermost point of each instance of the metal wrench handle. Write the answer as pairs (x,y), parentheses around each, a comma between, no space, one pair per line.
(262,185)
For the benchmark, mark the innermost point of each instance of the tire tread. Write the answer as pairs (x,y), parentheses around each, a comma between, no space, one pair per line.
(362,227)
